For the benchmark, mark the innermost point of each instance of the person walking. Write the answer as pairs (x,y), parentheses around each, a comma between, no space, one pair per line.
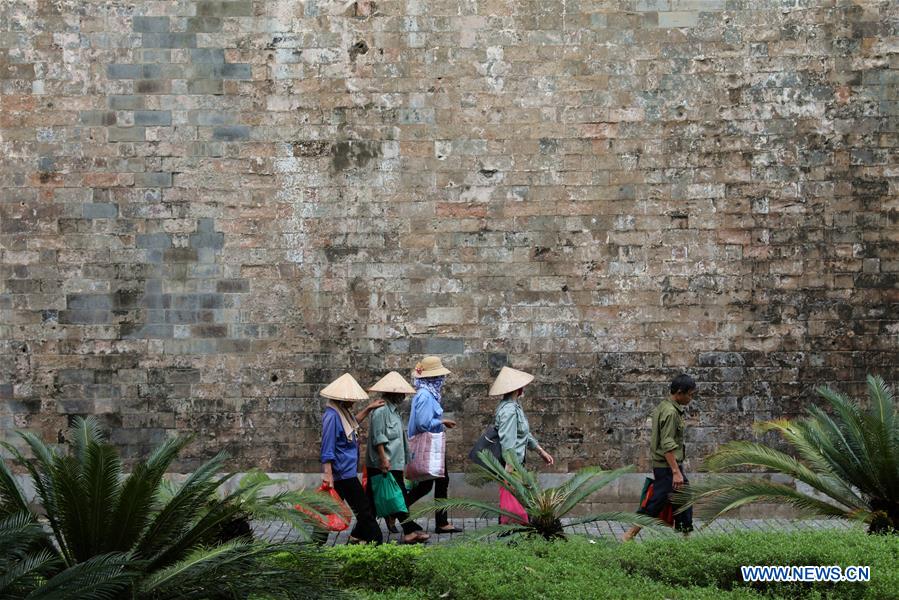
(427,416)
(388,449)
(511,423)
(667,449)
(340,453)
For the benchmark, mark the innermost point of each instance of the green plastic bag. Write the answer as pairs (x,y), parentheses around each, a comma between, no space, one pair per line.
(388,495)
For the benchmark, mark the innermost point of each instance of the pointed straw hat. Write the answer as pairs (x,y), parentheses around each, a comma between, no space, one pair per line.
(509,380)
(344,388)
(430,366)
(392,383)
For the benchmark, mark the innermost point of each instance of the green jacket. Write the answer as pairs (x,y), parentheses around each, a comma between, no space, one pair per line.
(514,429)
(386,427)
(667,432)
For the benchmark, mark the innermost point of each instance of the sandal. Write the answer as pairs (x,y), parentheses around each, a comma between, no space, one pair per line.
(423,536)
(391,525)
(448,529)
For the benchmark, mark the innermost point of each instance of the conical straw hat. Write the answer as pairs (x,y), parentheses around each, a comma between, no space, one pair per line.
(392,383)
(344,388)
(509,380)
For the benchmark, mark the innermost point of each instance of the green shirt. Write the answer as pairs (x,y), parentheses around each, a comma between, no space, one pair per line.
(667,432)
(386,427)
(514,430)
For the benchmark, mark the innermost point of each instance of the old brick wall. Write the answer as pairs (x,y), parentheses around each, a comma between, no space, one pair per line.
(209,209)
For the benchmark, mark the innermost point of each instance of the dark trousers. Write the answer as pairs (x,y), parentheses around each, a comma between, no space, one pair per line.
(411,526)
(366,528)
(423,488)
(662,488)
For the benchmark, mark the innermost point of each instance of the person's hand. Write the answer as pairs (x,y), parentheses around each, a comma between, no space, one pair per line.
(385,464)
(376,404)
(547,457)
(509,468)
(449,423)
(328,479)
(678,480)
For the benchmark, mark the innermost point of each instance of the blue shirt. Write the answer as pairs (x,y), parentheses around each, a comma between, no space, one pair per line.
(426,413)
(342,453)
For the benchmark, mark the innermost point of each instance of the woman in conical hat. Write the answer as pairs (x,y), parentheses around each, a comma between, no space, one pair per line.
(388,449)
(512,424)
(427,416)
(340,453)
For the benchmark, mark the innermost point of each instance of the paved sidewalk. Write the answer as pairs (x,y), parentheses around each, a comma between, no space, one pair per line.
(599,529)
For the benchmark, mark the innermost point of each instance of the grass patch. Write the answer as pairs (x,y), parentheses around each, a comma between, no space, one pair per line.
(700,568)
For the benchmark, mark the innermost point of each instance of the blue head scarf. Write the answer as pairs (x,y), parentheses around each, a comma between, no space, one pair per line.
(432,384)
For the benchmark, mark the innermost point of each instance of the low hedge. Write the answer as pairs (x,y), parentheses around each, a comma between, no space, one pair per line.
(699,568)
(715,560)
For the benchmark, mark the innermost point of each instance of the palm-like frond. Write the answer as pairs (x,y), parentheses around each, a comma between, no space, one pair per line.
(850,456)
(132,512)
(26,556)
(40,469)
(743,454)
(103,577)
(486,509)
(12,498)
(115,539)
(178,513)
(545,506)
(624,518)
(721,494)
(239,569)
(21,576)
(585,483)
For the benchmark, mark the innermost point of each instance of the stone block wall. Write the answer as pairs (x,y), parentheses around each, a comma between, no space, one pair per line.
(211,208)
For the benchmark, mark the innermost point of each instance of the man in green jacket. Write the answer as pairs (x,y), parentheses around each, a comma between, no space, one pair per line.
(667,449)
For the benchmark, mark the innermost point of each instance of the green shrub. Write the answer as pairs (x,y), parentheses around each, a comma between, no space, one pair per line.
(699,568)
(715,560)
(536,569)
(375,567)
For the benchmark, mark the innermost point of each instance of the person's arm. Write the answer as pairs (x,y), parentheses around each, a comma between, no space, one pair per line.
(678,477)
(668,445)
(378,433)
(383,459)
(436,422)
(507,428)
(362,414)
(329,443)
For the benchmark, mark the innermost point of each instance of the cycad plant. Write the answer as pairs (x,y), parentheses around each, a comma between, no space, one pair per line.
(256,503)
(546,507)
(849,458)
(100,535)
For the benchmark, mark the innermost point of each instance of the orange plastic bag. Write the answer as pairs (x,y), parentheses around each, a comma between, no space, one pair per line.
(333,522)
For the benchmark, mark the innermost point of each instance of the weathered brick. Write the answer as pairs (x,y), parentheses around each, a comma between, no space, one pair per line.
(225,8)
(153,118)
(151,24)
(169,40)
(231,133)
(125,134)
(152,180)
(99,211)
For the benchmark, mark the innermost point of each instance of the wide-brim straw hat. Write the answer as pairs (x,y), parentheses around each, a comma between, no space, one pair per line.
(509,380)
(392,383)
(430,366)
(345,389)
